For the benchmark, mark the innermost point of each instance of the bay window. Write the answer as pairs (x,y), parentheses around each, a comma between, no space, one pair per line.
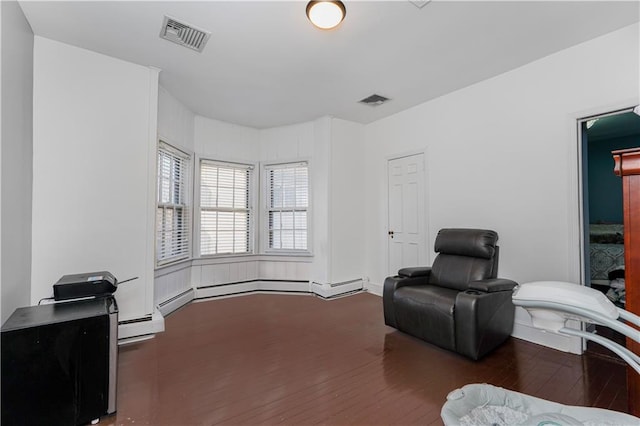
(225,208)
(172,212)
(287,205)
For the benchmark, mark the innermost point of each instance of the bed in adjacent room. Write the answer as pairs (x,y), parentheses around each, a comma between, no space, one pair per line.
(606,255)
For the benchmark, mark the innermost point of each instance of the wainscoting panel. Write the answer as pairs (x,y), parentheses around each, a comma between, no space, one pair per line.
(224,276)
(227,276)
(220,273)
(225,289)
(251,287)
(171,281)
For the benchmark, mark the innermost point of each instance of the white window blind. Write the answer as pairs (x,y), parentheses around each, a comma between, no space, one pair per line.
(172,213)
(288,204)
(225,208)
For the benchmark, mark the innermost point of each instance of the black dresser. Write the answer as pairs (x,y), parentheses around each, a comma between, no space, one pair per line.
(59,363)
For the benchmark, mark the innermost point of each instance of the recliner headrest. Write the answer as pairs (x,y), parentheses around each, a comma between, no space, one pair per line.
(467,242)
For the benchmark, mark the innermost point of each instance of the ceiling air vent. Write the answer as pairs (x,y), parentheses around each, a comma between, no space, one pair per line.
(419,3)
(184,34)
(374,100)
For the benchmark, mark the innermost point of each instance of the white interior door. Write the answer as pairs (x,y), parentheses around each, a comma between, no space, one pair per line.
(407,220)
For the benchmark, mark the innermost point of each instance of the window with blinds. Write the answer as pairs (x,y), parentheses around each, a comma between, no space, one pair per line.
(172,213)
(287,205)
(225,208)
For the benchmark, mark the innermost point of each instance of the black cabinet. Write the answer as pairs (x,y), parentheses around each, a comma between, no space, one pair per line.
(59,363)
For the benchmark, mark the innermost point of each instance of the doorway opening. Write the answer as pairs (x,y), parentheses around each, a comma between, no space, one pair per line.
(602,207)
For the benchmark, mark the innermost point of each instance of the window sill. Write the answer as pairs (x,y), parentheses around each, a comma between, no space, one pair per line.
(287,253)
(281,257)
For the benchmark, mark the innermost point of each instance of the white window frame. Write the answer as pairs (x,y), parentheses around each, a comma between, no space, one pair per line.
(251,203)
(266,204)
(185,206)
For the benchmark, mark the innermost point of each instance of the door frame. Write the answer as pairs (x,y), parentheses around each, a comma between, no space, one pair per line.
(577,226)
(385,219)
(584,190)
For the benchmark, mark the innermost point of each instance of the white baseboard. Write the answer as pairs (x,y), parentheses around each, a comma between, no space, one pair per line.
(176,302)
(145,327)
(251,286)
(285,286)
(549,339)
(324,290)
(373,288)
(138,339)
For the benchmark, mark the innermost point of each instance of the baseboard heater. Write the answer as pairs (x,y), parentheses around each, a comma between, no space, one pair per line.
(136,320)
(325,291)
(176,302)
(342,283)
(338,289)
(256,281)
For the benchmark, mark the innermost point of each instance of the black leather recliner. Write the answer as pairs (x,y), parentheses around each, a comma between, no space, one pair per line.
(458,303)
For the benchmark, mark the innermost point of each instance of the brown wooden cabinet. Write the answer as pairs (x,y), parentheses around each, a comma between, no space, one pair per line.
(627,166)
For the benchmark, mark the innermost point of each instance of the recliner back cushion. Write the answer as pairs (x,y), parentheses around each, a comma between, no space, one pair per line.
(456,272)
(467,242)
(464,255)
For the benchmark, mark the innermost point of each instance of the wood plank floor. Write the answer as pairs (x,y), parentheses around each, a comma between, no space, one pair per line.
(285,359)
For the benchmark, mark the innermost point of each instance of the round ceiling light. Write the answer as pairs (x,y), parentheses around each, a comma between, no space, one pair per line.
(326,14)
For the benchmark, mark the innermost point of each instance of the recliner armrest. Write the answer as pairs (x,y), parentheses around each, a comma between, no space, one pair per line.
(492,285)
(391,284)
(483,319)
(416,271)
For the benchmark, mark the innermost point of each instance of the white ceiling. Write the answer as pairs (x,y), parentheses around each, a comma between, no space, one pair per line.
(265,65)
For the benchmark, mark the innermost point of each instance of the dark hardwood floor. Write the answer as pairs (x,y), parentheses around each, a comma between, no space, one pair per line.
(284,359)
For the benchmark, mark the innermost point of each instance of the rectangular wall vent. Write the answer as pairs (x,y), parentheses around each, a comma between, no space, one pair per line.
(184,34)
(419,3)
(374,100)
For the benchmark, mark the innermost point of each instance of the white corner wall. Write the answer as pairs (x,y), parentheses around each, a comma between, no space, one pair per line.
(94,156)
(176,127)
(319,169)
(16,89)
(346,182)
(214,139)
(502,154)
(175,122)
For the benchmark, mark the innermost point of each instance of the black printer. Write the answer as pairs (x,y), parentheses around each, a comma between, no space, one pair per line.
(91,284)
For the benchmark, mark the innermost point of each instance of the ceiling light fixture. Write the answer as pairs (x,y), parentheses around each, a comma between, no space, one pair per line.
(326,14)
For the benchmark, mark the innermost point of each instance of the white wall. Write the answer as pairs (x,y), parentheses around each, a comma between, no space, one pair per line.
(287,142)
(16,154)
(175,122)
(346,180)
(176,127)
(94,156)
(222,141)
(502,154)
(305,141)
(319,169)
